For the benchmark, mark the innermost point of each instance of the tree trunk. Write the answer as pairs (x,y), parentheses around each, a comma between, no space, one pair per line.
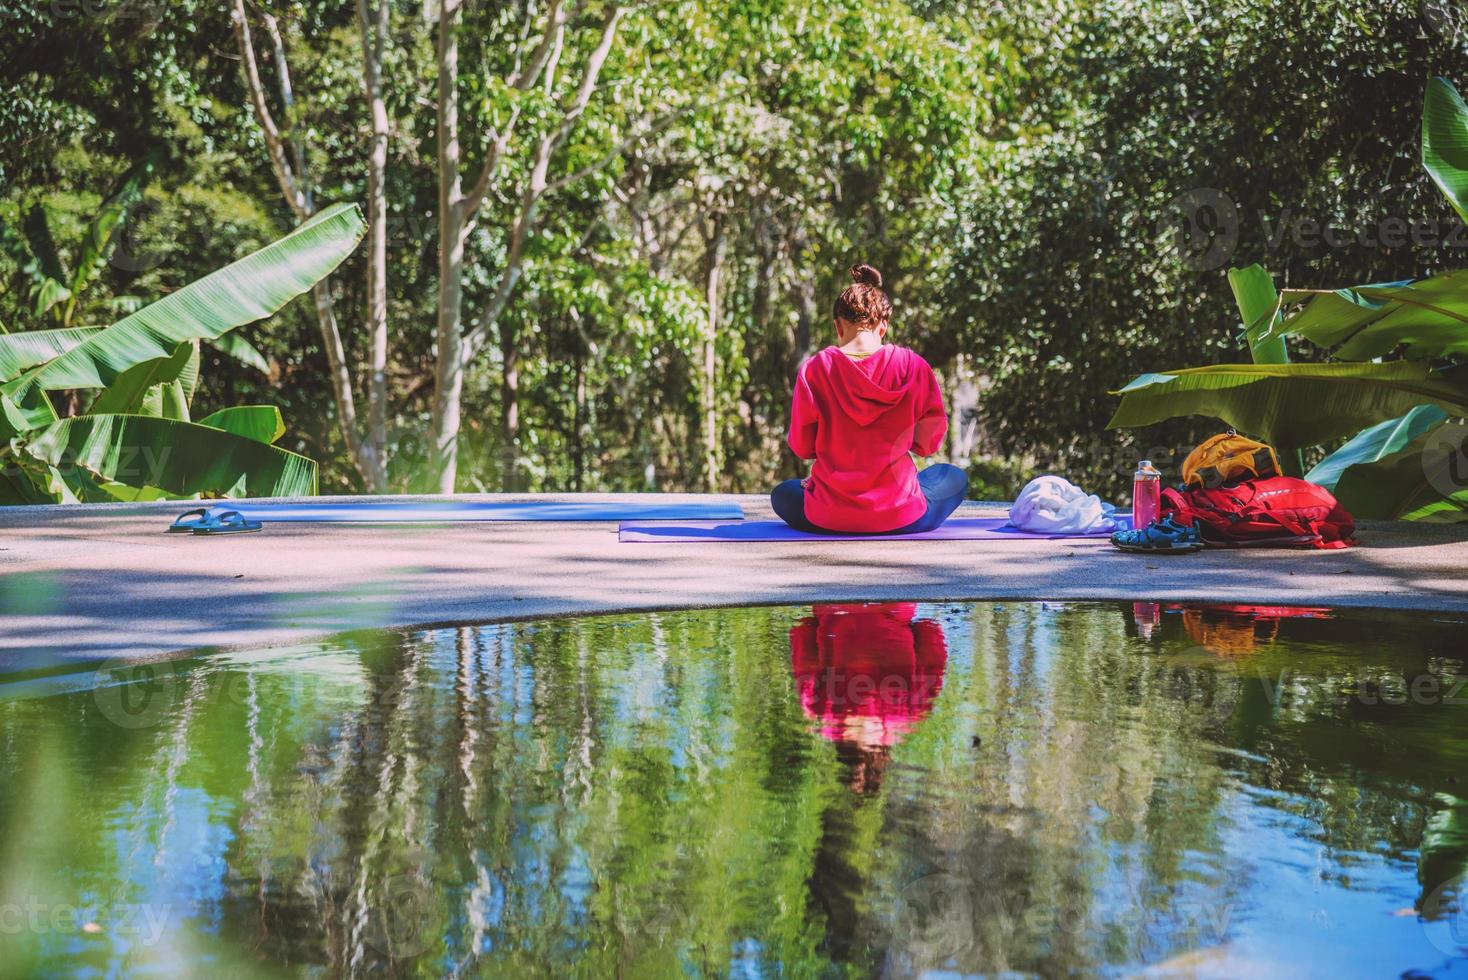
(374,25)
(341,375)
(715,270)
(510,411)
(578,440)
(295,188)
(456,346)
(805,308)
(963,428)
(448,387)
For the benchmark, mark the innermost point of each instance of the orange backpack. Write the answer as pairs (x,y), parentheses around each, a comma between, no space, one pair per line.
(1227,458)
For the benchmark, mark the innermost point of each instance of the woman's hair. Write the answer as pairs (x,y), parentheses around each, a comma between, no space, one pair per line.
(863,301)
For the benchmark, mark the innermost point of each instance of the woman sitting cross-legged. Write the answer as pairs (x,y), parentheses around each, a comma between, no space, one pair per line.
(861,408)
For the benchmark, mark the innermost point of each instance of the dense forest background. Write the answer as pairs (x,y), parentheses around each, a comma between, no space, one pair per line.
(658,202)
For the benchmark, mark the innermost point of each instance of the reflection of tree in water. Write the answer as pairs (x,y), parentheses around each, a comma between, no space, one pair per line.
(644,795)
(866,674)
(1068,825)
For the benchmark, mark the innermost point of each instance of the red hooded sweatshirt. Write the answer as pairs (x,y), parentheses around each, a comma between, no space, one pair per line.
(858,419)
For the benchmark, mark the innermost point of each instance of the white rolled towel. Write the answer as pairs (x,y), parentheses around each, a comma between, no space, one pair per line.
(1054,505)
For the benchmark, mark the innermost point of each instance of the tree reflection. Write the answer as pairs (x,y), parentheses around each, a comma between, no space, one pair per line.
(866,674)
(843,789)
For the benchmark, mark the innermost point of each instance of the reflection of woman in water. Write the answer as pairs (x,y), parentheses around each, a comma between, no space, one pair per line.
(868,674)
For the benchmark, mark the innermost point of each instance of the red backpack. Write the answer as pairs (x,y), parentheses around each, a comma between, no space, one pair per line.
(1273,512)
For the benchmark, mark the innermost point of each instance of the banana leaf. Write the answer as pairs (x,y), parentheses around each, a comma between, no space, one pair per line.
(16,487)
(19,352)
(13,420)
(1333,315)
(179,458)
(1425,481)
(130,394)
(240,293)
(1428,316)
(48,295)
(33,481)
(1376,443)
(259,422)
(237,347)
(173,401)
(1290,404)
(1445,142)
(129,495)
(1259,304)
(188,379)
(32,410)
(105,222)
(49,275)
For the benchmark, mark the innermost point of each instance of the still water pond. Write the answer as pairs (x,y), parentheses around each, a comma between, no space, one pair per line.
(820,791)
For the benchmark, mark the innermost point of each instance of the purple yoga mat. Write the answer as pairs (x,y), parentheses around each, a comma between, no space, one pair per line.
(955,529)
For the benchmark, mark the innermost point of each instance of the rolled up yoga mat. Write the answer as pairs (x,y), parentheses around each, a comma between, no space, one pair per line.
(954,529)
(369,511)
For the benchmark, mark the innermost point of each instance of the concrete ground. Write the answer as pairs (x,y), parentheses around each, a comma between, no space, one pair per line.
(80,584)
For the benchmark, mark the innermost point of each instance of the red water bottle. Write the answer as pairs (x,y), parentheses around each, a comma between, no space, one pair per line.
(1146,494)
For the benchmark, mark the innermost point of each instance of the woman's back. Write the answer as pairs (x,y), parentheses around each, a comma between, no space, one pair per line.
(859,419)
(860,409)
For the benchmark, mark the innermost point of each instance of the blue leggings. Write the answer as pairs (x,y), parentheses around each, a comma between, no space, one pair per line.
(943,485)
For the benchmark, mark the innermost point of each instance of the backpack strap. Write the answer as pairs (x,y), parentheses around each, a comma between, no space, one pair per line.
(1176,502)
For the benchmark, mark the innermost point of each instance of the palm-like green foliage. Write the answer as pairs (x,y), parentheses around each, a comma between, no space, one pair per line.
(19,352)
(137,437)
(182,459)
(55,290)
(248,290)
(1376,443)
(1445,142)
(259,422)
(1395,349)
(1259,304)
(1427,318)
(1290,404)
(1427,480)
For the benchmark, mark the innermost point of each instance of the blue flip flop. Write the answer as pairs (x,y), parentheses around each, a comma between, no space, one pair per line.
(203,521)
(196,518)
(1164,537)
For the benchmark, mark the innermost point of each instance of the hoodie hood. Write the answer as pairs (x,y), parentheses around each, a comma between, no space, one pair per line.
(868,389)
(860,421)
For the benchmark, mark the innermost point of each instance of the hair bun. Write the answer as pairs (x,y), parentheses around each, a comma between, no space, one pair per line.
(866,275)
